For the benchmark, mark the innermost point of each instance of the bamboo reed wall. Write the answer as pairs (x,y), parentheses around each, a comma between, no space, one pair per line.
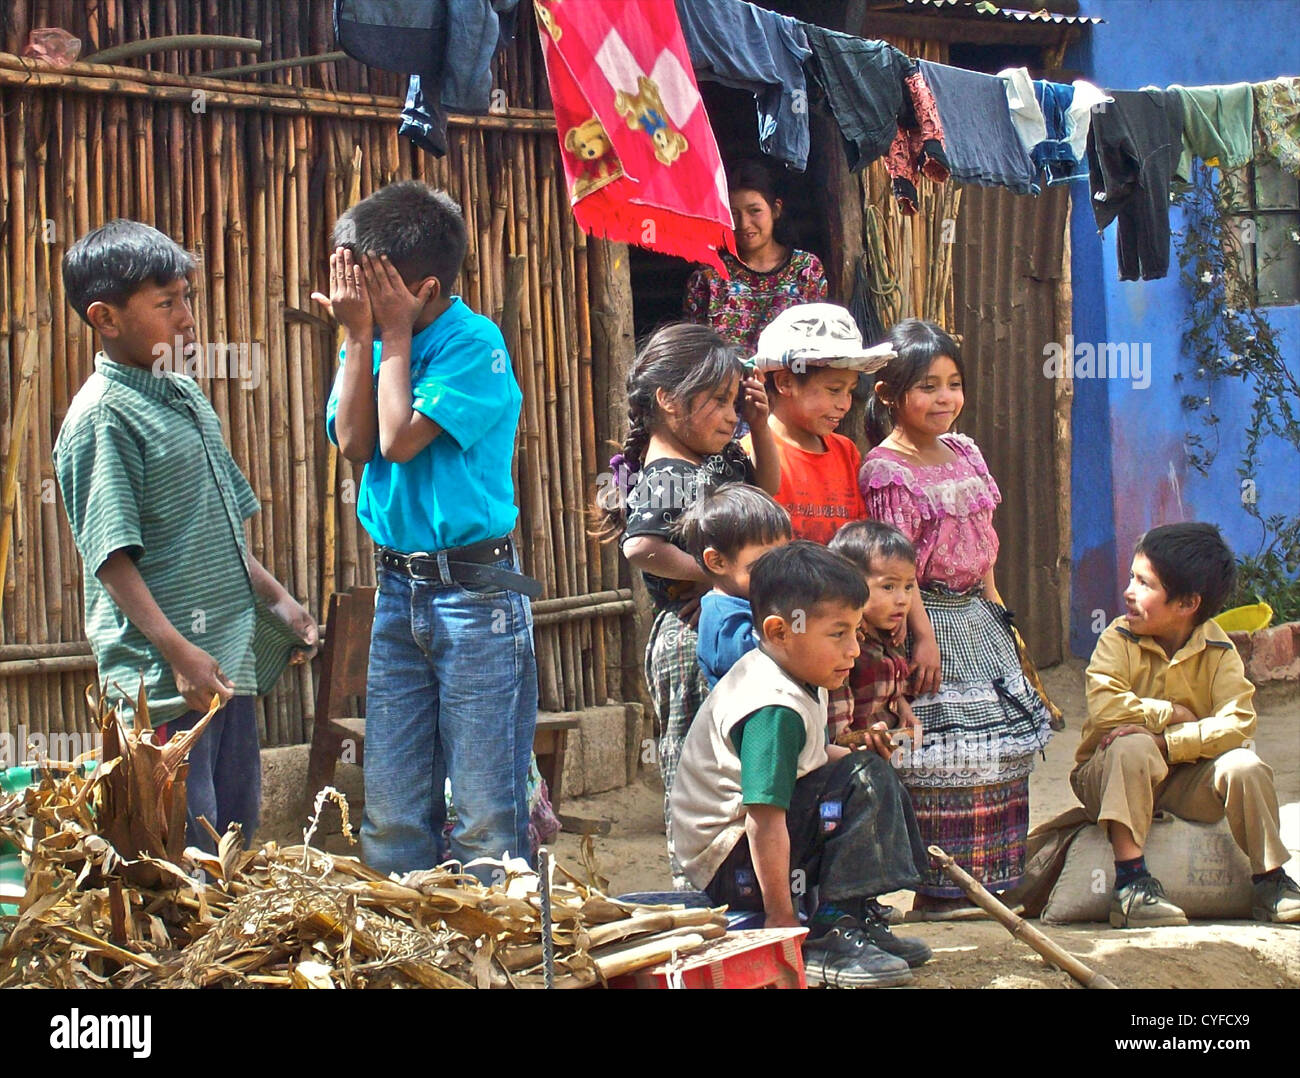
(252,180)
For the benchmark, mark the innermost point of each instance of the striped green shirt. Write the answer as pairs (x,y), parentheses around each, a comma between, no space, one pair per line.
(143,468)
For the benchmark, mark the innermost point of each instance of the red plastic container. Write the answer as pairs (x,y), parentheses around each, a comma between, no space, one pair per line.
(755,958)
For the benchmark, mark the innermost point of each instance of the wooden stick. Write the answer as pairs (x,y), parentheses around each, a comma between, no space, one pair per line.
(1018,926)
(277,65)
(169,44)
(17,441)
(257,96)
(329,567)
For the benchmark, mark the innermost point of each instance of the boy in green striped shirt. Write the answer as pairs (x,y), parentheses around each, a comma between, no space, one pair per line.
(157,508)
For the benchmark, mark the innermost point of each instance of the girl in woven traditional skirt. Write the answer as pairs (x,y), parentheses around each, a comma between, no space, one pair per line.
(684,394)
(983,723)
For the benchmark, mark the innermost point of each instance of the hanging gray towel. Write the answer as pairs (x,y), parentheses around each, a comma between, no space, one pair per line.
(982,144)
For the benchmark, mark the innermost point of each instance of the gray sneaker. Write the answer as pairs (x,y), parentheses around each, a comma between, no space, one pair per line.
(1278,900)
(1142,904)
(845,957)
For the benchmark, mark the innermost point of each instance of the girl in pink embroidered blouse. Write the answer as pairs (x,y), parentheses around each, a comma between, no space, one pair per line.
(983,726)
(932,485)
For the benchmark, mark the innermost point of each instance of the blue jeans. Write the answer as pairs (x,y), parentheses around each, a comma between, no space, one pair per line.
(451,693)
(225,778)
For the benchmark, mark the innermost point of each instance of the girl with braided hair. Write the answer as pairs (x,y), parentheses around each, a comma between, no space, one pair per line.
(683,395)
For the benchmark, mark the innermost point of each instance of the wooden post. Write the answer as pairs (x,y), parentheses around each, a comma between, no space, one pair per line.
(613,350)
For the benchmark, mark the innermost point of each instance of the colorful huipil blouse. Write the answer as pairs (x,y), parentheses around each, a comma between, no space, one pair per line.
(739,309)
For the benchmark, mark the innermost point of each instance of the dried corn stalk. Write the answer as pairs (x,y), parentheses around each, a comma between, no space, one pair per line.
(111,900)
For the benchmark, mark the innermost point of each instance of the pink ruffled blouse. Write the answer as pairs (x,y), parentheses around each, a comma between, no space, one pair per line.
(946,510)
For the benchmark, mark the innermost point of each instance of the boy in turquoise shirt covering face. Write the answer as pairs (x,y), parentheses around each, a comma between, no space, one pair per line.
(426,398)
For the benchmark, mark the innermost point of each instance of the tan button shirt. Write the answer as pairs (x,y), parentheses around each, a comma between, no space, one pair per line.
(1131,681)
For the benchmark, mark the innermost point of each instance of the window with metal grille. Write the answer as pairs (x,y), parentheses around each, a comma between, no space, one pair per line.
(1265,202)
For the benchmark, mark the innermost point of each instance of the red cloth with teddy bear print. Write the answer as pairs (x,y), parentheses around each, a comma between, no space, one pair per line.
(639,155)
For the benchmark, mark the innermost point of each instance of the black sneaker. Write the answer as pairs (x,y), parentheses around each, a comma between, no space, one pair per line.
(912,951)
(846,958)
(891,915)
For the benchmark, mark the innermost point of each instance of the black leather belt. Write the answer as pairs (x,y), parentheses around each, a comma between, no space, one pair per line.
(470,566)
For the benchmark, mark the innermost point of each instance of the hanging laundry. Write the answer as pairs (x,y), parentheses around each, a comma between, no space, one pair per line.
(1133,146)
(1040,113)
(638,152)
(1218,126)
(1078,118)
(1277,121)
(446,47)
(423,122)
(1022,103)
(863,84)
(918,147)
(1056,155)
(740,45)
(982,144)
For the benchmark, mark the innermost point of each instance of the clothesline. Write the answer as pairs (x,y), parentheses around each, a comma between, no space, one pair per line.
(925,119)
(934,120)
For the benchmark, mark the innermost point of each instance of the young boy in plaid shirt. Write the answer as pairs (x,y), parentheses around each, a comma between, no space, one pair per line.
(872,704)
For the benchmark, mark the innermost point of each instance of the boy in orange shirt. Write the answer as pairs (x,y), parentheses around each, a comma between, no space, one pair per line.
(811,356)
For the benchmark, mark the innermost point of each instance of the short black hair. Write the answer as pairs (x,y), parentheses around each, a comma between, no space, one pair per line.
(734,516)
(419,228)
(112,262)
(1191,559)
(865,542)
(801,575)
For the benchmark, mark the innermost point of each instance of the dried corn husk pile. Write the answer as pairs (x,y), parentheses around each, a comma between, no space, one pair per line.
(92,915)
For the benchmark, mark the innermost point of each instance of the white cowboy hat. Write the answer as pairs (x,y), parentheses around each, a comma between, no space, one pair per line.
(816,335)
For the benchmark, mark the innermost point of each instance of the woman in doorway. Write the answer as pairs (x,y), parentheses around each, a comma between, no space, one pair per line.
(768,276)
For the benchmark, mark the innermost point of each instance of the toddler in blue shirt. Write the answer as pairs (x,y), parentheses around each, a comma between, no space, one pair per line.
(727,532)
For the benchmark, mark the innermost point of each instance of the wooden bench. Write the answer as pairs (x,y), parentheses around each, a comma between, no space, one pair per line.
(340,731)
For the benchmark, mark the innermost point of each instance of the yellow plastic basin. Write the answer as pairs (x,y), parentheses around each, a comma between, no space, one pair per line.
(1245,619)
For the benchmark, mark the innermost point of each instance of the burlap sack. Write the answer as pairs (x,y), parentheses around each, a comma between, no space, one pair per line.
(1201,868)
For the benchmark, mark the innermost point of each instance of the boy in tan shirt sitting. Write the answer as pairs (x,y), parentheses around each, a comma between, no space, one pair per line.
(1169,714)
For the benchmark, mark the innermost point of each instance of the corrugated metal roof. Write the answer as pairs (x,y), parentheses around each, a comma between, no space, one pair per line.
(984,10)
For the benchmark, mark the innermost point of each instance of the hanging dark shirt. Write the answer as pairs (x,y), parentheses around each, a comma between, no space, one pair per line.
(863,83)
(1133,147)
(446,47)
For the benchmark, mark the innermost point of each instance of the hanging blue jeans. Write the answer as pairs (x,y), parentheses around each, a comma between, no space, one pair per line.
(451,693)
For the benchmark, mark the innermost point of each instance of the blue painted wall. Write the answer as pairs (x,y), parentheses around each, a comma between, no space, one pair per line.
(1129,468)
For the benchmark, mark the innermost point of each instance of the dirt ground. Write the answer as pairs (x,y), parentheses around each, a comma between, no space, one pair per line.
(982,954)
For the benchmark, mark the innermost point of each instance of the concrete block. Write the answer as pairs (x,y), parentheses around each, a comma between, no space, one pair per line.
(597,751)
(633,724)
(573,782)
(286,803)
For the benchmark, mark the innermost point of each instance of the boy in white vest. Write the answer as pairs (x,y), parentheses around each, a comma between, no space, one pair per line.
(763,808)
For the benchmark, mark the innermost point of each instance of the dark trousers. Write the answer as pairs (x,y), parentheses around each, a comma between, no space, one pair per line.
(225,778)
(853,835)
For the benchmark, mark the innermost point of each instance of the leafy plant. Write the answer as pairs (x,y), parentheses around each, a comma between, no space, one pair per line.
(1228,336)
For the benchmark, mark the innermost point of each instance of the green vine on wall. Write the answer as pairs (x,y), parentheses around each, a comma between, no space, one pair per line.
(1228,336)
